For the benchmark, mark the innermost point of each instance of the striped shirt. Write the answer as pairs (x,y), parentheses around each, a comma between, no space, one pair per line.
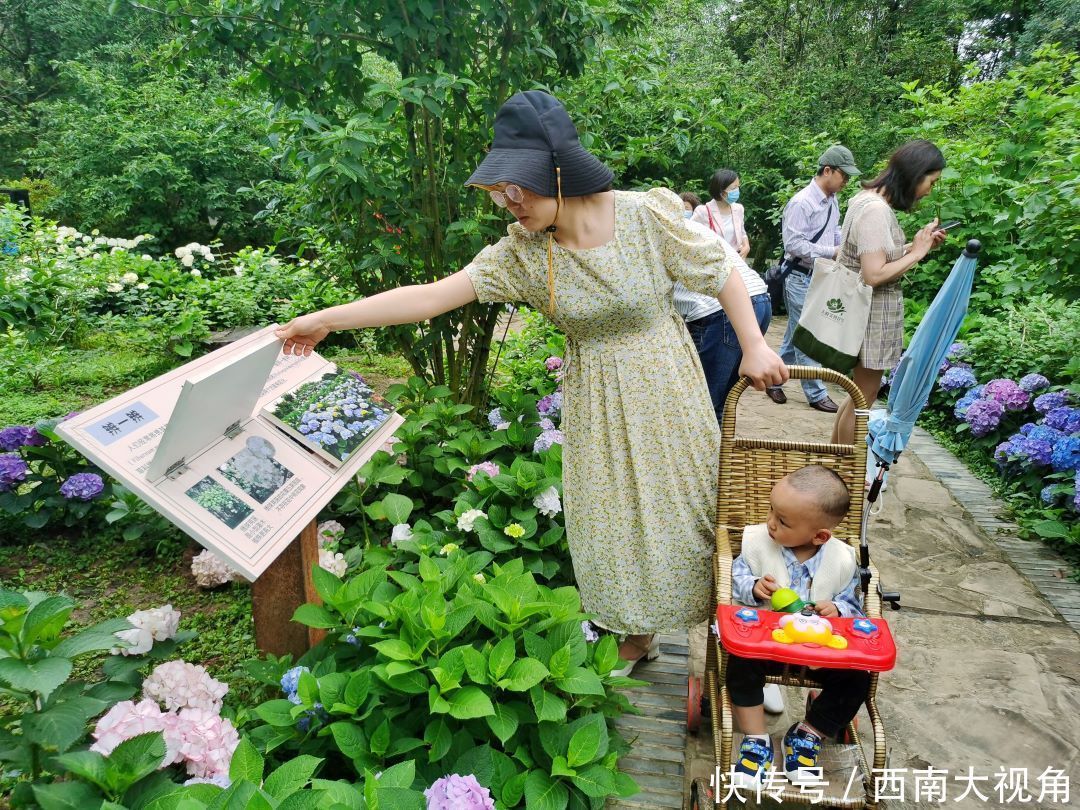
(693,306)
(848,601)
(804,215)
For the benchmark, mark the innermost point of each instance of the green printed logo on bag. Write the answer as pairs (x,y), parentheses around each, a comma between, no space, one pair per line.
(835,306)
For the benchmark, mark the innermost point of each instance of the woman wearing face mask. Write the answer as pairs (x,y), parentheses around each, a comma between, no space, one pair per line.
(641,443)
(722,214)
(709,326)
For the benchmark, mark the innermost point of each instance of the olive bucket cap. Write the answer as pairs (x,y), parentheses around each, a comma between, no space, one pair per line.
(533,135)
(841,158)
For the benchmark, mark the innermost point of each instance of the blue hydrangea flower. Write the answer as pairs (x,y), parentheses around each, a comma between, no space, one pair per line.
(1034,450)
(1048,402)
(957,351)
(957,378)
(82,487)
(1066,455)
(1066,419)
(1076,489)
(1047,495)
(495,417)
(1034,382)
(965,402)
(290,682)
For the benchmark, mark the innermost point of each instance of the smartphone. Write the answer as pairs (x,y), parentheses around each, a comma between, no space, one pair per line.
(948,226)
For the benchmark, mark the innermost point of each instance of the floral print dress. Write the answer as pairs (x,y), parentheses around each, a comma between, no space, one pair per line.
(641,440)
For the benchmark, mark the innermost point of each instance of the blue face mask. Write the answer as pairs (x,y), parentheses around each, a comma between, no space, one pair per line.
(687,214)
(733,196)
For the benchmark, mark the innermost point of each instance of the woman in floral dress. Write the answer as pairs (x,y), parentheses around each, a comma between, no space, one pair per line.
(641,441)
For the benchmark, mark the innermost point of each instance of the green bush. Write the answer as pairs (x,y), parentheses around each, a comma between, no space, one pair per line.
(459,672)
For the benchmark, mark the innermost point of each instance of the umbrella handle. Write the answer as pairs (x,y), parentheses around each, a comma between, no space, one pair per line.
(973,248)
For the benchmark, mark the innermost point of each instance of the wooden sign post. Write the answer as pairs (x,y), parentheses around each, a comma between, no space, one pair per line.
(280,590)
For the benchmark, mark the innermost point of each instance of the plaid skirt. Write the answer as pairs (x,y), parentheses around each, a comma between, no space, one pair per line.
(884,339)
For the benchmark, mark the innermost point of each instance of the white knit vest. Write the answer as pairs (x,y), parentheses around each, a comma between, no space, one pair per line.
(764,556)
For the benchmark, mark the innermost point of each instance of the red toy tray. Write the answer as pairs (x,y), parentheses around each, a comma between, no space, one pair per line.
(749,632)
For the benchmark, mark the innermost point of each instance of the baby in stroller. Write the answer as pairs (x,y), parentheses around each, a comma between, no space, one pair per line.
(795,549)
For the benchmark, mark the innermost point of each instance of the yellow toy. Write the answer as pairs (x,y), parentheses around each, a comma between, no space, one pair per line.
(808,628)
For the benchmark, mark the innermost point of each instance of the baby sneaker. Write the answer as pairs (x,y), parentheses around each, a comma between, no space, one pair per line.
(801,749)
(753,764)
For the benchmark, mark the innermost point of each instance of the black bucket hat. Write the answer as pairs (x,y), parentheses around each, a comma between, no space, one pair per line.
(533,135)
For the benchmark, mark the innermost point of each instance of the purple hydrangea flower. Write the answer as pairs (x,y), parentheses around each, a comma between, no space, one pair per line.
(455,792)
(12,470)
(546,439)
(82,487)
(956,378)
(590,634)
(1008,393)
(1004,450)
(550,405)
(1076,489)
(1048,402)
(1066,419)
(965,401)
(546,424)
(957,351)
(553,363)
(984,415)
(1034,382)
(16,436)
(1066,456)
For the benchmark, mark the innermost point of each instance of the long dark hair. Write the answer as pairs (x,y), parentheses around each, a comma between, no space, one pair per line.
(721,180)
(908,165)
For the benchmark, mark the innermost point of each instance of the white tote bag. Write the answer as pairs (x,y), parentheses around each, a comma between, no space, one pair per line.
(832,326)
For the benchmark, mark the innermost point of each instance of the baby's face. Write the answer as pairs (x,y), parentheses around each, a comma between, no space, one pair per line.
(794,517)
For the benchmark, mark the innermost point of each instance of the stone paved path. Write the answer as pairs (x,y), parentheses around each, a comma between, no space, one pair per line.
(988,674)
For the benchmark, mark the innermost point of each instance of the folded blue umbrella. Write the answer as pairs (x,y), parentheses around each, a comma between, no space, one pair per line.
(917,370)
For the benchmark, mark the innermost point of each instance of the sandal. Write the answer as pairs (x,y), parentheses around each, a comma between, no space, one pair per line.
(649,652)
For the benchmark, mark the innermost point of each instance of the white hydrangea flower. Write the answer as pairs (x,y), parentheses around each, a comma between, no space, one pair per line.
(142,285)
(548,502)
(148,626)
(479,577)
(196,273)
(146,257)
(402,531)
(210,571)
(466,520)
(180,685)
(334,563)
(114,287)
(181,252)
(129,278)
(86,240)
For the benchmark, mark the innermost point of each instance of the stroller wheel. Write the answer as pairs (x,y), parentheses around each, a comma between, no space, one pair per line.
(844,737)
(693,704)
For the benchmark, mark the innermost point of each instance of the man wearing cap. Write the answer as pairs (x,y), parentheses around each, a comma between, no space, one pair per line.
(811,229)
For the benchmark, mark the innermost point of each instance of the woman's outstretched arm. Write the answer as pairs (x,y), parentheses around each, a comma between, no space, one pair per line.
(418,302)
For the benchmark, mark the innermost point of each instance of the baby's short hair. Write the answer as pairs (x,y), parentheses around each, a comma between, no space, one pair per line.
(690,197)
(825,486)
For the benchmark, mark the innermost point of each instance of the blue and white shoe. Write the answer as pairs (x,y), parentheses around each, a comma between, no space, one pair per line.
(801,750)
(753,764)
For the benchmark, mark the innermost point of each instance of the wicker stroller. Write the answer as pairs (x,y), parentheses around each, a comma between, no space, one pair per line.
(748,469)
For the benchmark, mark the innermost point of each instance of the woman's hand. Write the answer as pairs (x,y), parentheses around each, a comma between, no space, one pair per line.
(925,239)
(302,334)
(763,366)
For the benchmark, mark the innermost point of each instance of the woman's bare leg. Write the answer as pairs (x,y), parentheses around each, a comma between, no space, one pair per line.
(868,381)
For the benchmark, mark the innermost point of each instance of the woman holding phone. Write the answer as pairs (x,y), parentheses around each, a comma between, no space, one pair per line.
(873,245)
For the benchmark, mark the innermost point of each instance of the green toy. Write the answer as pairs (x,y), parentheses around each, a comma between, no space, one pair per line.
(785,600)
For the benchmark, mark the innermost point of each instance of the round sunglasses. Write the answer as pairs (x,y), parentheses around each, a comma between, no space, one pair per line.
(511,193)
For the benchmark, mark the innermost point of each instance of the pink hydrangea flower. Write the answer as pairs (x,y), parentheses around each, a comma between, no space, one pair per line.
(553,363)
(128,719)
(180,685)
(489,467)
(210,570)
(455,792)
(205,742)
